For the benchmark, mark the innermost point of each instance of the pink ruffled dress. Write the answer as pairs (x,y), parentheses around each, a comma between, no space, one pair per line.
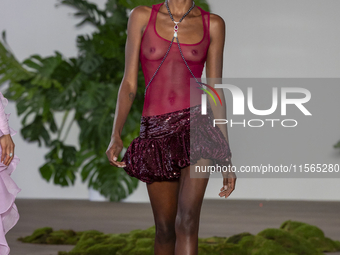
(9,215)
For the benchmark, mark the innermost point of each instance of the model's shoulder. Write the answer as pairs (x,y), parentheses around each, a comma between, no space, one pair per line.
(141,10)
(216,20)
(140,15)
(217,24)
(217,27)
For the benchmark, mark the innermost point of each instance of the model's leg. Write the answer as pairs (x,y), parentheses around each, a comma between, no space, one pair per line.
(190,198)
(163,197)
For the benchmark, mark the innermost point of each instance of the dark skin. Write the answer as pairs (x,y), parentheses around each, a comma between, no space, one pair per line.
(177,204)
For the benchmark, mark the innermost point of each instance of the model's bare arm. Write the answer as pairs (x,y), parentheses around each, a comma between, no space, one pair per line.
(137,21)
(214,71)
(214,67)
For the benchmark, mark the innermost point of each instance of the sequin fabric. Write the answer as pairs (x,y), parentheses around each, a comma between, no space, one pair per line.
(172,141)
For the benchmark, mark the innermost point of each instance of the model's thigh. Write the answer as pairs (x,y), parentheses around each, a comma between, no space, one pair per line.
(163,198)
(190,198)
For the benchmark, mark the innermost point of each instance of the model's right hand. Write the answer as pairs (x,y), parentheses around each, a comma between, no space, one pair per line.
(229,181)
(7,147)
(113,151)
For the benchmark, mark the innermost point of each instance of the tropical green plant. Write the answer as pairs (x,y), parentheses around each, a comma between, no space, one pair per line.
(85,90)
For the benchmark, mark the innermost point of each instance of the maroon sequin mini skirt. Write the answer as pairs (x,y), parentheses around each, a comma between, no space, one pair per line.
(170,142)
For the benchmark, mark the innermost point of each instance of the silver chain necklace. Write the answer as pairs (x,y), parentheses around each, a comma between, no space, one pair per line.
(176,23)
(180,50)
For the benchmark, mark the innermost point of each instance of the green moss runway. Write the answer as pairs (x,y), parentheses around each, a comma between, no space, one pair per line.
(227,226)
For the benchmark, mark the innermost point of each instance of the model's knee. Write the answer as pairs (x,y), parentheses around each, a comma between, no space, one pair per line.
(165,232)
(187,223)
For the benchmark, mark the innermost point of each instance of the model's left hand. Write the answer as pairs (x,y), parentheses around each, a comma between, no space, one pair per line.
(7,147)
(229,181)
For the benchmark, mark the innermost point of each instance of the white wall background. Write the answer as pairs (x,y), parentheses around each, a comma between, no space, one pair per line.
(265,38)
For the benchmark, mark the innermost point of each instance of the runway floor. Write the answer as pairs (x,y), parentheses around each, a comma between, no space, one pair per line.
(220,217)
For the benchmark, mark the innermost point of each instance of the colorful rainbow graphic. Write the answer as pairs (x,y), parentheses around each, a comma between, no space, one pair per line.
(209,93)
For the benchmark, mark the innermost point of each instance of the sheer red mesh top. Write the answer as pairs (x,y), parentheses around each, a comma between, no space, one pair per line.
(169,90)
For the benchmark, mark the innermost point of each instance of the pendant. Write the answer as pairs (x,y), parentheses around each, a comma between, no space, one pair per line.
(175,29)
